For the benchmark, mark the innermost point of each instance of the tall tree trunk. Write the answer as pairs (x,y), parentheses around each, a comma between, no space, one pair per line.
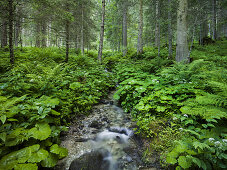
(102,32)
(38,30)
(170,33)
(4,37)
(17,27)
(67,41)
(82,30)
(140,32)
(214,20)
(157,26)
(10,3)
(44,33)
(182,44)
(124,27)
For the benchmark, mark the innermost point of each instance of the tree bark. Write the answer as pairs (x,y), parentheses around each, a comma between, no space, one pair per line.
(4,37)
(140,32)
(157,26)
(182,44)
(82,30)
(10,3)
(67,41)
(102,32)
(124,27)
(44,33)
(17,27)
(214,20)
(38,30)
(170,33)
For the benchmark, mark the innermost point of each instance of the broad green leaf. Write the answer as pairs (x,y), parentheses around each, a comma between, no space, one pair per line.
(184,162)
(50,161)
(62,152)
(161,108)
(171,160)
(171,157)
(3,136)
(3,119)
(53,112)
(28,166)
(18,157)
(38,156)
(41,131)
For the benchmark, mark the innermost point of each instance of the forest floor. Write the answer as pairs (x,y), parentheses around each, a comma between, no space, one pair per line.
(177,110)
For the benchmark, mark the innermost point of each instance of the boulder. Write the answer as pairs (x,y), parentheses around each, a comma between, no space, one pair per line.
(94,160)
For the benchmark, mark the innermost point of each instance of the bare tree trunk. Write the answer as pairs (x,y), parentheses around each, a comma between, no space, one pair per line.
(4,36)
(102,32)
(44,33)
(182,44)
(10,3)
(18,21)
(214,20)
(38,30)
(67,41)
(170,33)
(82,31)
(140,32)
(119,46)
(193,36)
(124,27)
(157,29)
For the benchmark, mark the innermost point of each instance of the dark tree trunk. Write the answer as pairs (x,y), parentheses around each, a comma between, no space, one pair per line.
(10,3)
(214,20)
(102,32)
(4,37)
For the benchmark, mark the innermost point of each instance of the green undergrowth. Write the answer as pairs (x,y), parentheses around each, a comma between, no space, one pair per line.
(39,97)
(181,108)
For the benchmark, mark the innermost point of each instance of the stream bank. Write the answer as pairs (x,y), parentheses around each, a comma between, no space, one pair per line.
(104,140)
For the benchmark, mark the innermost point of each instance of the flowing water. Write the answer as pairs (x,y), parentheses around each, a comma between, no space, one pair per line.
(103,141)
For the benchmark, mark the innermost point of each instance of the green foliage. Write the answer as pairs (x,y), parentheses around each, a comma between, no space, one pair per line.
(191,97)
(38,98)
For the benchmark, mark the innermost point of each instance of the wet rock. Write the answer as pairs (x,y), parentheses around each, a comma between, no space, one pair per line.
(94,160)
(96,124)
(82,139)
(111,102)
(105,119)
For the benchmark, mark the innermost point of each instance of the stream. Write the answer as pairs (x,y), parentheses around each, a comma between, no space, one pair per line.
(104,140)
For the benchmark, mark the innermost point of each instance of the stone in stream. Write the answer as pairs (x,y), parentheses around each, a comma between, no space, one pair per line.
(94,160)
(96,124)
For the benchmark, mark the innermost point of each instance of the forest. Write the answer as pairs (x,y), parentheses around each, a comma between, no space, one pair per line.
(165,61)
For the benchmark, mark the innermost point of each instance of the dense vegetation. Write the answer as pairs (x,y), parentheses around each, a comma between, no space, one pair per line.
(180,109)
(38,98)
(167,61)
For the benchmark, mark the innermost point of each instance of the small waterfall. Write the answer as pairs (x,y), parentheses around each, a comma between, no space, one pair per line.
(102,141)
(114,140)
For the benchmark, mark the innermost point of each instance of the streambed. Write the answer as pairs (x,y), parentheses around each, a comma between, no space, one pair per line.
(104,140)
